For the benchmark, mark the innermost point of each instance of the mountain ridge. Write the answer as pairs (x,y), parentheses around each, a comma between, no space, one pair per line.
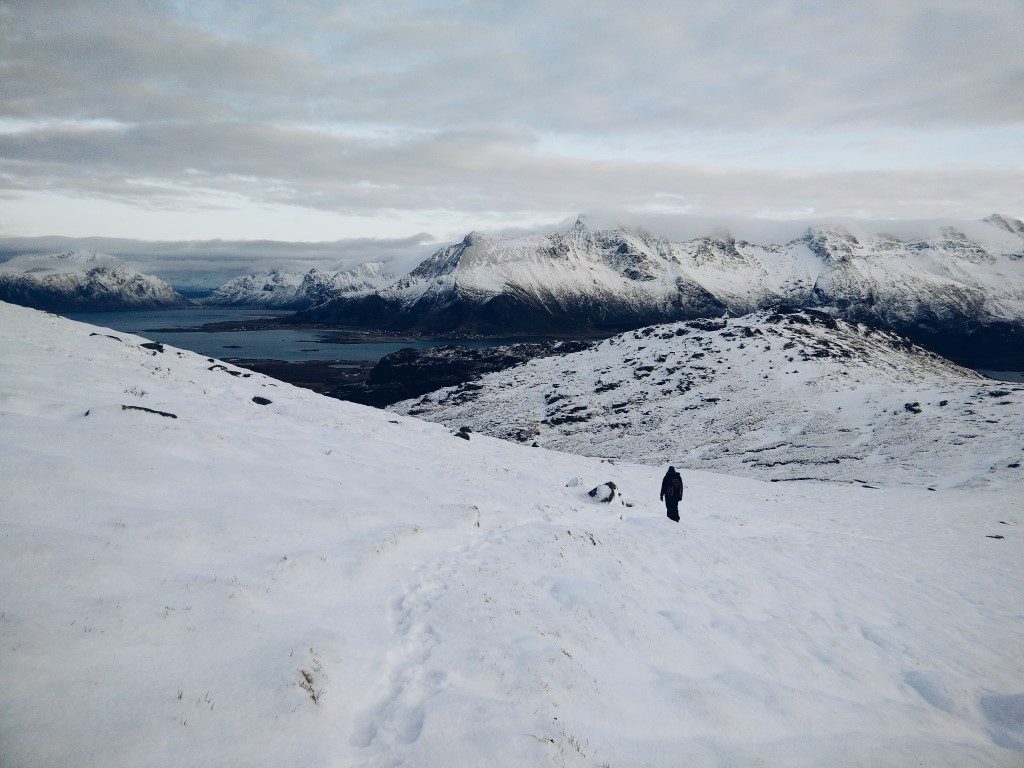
(281,289)
(82,280)
(948,289)
(774,395)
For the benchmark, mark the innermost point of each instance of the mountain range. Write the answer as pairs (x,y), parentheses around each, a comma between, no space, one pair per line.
(77,280)
(963,295)
(280,289)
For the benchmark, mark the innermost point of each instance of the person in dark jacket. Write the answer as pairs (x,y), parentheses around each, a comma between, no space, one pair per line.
(672,493)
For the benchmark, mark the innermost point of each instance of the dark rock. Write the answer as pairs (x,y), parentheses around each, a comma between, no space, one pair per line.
(165,414)
(106,336)
(463,435)
(410,373)
(994,536)
(912,407)
(156,346)
(261,400)
(605,493)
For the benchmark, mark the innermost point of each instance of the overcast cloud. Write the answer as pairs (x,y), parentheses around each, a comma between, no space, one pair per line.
(325,121)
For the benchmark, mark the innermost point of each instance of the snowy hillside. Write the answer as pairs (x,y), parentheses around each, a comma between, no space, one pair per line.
(79,280)
(189,577)
(297,290)
(771,395)
(948,286)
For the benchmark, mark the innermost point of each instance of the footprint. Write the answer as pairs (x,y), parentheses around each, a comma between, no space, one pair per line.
(1005,716)
(396,719)
(931,687)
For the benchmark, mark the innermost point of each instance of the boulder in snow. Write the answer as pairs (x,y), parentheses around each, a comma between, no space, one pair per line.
(605,493)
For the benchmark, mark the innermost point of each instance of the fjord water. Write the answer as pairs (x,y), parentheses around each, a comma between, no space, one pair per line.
(289,344)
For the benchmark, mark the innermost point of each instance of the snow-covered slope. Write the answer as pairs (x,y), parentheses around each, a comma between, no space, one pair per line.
(300,290)
(310,582)
(773,395)
(80,280)
(947,286)
(276,288)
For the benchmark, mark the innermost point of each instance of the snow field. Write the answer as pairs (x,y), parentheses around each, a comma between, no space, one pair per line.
(313,582)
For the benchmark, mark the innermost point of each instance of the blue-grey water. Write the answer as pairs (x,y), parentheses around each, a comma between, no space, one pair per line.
(281,344)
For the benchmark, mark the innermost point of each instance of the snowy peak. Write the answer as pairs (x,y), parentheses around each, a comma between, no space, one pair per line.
(82,280)
(279,289)
(58,263)
(779,394)
(831,245)
(960,290)
(1015,226)
(275,288)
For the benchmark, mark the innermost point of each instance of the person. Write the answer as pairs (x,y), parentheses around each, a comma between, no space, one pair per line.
(672,493)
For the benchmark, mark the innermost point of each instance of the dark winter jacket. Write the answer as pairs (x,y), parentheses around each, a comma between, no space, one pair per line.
(672,486)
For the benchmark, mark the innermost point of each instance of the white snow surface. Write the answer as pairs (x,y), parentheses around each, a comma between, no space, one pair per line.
(768,395)
(280,289)
(82,280)
(316,583)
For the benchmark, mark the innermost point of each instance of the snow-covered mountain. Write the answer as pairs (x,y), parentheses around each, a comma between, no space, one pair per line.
(202,566)
(279,289)
(947,287)
(776,395)
(82,280)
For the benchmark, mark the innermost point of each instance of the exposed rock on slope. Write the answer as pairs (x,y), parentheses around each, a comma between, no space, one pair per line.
(279,289)
(782,395)
(412,372)
(64,282)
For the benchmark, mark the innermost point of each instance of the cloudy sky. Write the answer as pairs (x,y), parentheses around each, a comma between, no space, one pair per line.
(303,121)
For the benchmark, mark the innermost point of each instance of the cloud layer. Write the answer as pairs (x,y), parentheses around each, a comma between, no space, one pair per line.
(394,115)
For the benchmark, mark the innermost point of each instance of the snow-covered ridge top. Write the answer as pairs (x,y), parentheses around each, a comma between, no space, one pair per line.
(300,290)
(60,263)
(776,394)
(1010,224)
(82,281)
(961,280)
(739,273)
